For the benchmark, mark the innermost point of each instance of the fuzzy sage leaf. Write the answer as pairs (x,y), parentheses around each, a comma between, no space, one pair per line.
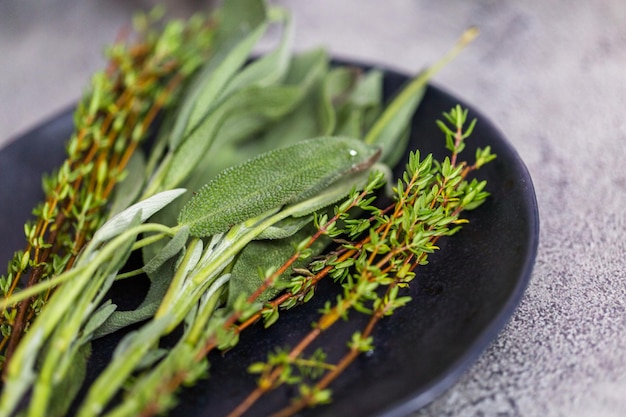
(283,176)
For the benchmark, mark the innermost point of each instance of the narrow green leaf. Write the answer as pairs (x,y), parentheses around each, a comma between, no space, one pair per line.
(271,68)
(242,23)
(68,388)
(255,110)
(398,113)
(146,208)
(99,317)
(171,249)
(306,70)
(396,117)
(129,189)
(362,107)
(244,107)
(284,228)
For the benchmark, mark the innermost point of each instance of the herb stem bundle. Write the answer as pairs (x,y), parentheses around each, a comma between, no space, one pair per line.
(111,121)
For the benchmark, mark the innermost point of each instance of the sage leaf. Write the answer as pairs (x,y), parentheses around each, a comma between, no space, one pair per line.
(339,84)
(151,358)
(306,68)
(69,386)
(130,188)
(362,107)
(121,319)
(255,109)
(254,187)
(245,105)
(267,129)
(171,249)
(369,90)
(160,270)
(284,228)
(242,23)
(306,71)
(271,68)
(395,119)
(333,193)
(263,255)
(98,318)
(145,209)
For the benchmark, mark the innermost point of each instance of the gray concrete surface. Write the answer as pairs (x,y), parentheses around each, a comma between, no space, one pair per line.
(550,75)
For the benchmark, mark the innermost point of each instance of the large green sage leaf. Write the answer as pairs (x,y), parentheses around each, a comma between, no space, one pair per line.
(286,175)
(245,135)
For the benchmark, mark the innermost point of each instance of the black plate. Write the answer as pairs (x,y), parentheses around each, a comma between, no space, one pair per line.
(461,300)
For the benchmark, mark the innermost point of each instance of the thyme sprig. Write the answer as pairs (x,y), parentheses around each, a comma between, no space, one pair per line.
(379,258)
(143,77)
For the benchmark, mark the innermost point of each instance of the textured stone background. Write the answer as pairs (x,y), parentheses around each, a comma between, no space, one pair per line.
(550,74)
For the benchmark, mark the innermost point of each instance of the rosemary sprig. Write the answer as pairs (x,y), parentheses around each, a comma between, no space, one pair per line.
(142,78)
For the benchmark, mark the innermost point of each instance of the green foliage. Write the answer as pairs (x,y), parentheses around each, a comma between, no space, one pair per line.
(306,168)
(277,142)
(114,115)
(380,250)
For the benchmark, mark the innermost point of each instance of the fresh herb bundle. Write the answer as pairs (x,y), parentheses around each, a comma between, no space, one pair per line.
(258,167)
(145,75)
